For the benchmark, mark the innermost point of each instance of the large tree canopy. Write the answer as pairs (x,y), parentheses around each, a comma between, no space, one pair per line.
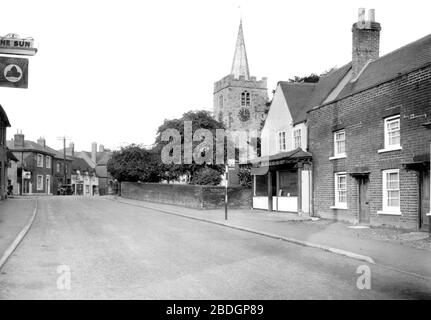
(201,146)
(134,163)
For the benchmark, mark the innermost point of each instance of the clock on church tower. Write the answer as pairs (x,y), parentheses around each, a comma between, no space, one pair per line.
(244,114)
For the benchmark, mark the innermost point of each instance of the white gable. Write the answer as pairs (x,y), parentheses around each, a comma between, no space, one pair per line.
(278,119)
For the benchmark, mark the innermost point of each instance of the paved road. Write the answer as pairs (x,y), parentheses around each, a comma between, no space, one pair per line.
(118,251)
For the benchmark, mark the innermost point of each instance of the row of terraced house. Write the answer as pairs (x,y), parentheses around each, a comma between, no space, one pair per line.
(34,168)
(355,146)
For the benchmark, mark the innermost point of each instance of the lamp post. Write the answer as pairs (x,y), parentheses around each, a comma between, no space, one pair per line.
(230,164)
(225,191)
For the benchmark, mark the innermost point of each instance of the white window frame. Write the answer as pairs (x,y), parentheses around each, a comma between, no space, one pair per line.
(281,135)
(39,163)
(337,203)
(339,155)
(58,167)
(387,146)
(39,187)
(297,143)
(48,160)
(386,209)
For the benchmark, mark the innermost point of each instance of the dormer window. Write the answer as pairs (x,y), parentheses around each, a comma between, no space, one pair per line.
(245,99)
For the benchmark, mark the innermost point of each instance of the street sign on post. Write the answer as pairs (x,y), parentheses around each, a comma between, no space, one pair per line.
(14,72)
(225,191)
(230,164)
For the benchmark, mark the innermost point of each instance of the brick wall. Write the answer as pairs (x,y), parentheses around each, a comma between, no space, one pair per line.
(193,196)
(362,116)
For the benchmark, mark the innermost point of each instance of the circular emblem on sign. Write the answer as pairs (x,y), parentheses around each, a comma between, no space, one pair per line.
(244,114)
(12,73)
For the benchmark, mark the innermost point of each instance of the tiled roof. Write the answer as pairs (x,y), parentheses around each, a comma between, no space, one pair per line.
(294,154)
(301,97)
(81,165)
(390,66)
(297,96)
(101,157)
(327,84)
(32,146)
(4,117)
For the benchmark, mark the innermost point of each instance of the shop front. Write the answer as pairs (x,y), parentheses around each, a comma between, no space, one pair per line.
(282,182)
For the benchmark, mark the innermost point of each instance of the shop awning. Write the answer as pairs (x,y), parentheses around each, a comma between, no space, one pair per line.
(11,156)
(261,165)
(259,171)
(293,155)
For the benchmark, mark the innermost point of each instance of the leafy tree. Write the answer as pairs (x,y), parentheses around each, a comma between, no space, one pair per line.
(312,78)
(206,176)
(245,177)
(134,163)
(200,120)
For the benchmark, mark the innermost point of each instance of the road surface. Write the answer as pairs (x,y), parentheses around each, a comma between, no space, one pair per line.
(111,250)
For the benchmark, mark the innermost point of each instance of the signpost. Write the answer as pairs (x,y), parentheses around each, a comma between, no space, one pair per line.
(13,72)
(230,164)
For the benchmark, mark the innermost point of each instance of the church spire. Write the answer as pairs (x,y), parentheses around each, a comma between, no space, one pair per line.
(240,63)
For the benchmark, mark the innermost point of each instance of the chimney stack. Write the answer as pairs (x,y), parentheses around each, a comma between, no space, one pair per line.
(18,140)
(101,148)
(365,41)
(94,152)
(41,141)
(72,149)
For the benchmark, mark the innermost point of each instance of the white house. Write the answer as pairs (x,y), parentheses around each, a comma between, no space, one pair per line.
(283,173)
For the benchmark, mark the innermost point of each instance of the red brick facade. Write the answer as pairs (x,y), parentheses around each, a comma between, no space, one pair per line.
(362,117)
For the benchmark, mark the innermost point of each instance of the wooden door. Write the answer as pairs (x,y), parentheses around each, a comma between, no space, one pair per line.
(364,200)
(425,200)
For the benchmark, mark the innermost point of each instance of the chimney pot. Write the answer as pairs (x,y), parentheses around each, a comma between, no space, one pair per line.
(361,15)
(371,15)
(365,41)
(41,141)
(94,152)
(18,140)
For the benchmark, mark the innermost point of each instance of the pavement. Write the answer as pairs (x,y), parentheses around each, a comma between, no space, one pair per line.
(326,233)
(107,249)
(15,216)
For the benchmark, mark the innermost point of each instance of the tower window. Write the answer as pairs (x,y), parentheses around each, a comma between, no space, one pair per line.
(220,117)
(220,102)
(245,99)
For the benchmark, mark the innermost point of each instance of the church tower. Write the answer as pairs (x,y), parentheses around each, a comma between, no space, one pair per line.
(240,101)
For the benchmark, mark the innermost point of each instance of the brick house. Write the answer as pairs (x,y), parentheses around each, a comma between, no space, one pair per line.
(97,160)
(4,157)
(62,167)
(282,176)
(84,179)
(37,170)
(371,144)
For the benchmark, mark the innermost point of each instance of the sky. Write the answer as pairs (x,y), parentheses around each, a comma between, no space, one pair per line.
(111,71)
